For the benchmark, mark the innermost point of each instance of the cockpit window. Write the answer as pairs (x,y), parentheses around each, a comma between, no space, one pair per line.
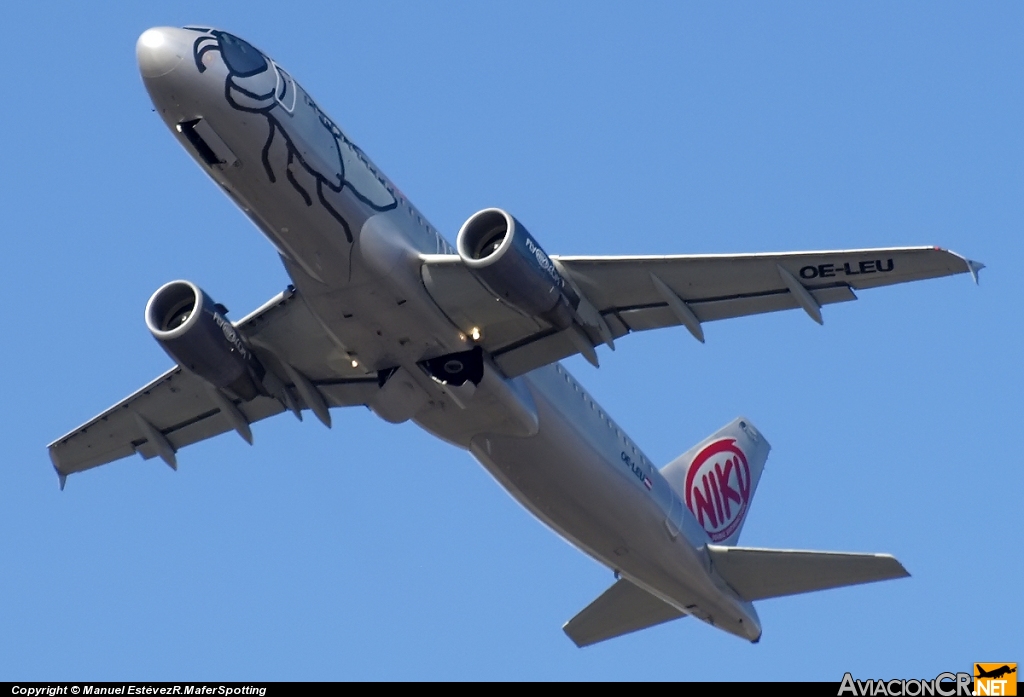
(240,56)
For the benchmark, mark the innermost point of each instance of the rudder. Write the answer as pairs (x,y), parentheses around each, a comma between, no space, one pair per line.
(716,478)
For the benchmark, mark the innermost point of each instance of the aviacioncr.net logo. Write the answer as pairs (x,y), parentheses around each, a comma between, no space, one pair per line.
(943,685)
(718,488)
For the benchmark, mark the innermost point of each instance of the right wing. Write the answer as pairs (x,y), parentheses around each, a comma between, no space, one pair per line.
(636,293)
(179,408)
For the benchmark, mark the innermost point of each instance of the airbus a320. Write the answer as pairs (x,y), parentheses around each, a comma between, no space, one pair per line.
(465,341)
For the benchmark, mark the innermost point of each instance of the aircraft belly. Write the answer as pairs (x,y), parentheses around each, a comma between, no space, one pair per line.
(316,230)
(571,483)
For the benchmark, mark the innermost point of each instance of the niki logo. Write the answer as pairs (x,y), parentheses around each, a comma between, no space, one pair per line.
(718,488)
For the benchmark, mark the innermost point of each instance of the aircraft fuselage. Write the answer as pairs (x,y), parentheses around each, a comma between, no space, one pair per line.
(352,244)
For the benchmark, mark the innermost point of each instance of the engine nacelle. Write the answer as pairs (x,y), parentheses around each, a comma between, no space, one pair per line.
(505,258)
(194,332)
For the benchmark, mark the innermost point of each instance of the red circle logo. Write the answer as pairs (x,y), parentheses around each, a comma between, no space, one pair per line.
(718,488)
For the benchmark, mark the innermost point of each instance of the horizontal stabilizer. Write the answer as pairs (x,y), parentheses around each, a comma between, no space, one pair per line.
(621,609)
(756,574)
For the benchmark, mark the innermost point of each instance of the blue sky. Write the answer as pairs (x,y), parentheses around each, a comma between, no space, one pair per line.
(373,551)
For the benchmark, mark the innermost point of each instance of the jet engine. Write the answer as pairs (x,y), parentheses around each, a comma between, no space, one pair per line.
(508,261)
(193,330)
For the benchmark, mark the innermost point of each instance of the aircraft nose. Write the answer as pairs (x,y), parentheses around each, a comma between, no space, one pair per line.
(159,51)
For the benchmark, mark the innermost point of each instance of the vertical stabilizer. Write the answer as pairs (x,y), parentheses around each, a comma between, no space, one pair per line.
(716,478)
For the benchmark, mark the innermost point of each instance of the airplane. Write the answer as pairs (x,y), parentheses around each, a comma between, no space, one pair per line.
(995,672)
(465,341)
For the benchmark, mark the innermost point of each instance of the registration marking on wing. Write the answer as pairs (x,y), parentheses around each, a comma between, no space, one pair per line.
(846,269)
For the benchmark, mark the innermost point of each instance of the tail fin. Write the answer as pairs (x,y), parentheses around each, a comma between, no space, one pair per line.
(716,478)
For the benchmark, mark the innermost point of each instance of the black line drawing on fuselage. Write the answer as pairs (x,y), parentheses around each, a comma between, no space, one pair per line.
(257,85)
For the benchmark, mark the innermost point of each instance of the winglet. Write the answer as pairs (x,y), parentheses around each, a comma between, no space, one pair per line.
(54,460)
(975,268)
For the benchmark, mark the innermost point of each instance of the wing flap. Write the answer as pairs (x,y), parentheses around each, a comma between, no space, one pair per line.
(622,609)
(658,316)
(756,574)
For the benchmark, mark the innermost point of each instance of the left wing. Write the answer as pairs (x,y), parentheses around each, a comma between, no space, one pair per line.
(178,408)
(648,292)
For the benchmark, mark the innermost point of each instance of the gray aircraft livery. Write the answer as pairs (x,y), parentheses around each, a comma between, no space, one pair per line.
(466,342)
